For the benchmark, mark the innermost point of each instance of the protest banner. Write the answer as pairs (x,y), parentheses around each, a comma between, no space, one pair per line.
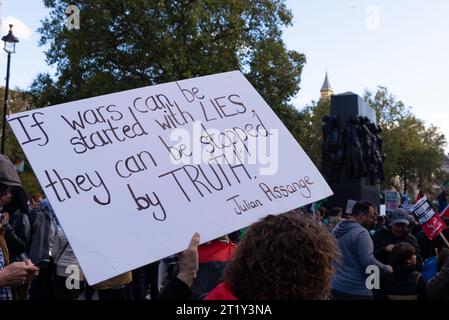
(133,175)
(350,205)
(406,205)
(392,200)
(430,221)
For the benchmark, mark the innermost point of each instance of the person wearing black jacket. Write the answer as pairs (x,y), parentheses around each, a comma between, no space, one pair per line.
(384,240)
(405,283)
(18,230)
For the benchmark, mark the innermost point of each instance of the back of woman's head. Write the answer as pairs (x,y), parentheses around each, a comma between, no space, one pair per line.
(283,257)
(19,201)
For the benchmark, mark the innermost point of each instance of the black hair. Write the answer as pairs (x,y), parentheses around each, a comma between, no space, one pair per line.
(361,207)
(380,219)
(336,211)
(19,201)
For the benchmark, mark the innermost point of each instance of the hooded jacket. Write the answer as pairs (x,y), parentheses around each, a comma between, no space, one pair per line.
(356,249)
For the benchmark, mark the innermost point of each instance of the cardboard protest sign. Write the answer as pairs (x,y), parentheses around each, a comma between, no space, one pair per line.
(350,205)
(431,222)
(132,175)
(392,200)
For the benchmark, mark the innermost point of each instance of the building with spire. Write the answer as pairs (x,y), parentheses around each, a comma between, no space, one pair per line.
(326,90)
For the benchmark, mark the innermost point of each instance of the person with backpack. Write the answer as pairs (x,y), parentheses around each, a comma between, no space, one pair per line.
(405,283)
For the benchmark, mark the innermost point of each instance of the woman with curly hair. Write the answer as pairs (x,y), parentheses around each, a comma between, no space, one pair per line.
(281,257)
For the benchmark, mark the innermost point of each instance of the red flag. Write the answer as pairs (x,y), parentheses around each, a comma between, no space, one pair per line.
(434,226)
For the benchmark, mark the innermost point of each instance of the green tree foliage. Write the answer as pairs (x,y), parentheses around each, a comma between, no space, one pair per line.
(18,101)
(124,44)
(414,150)
(311,136)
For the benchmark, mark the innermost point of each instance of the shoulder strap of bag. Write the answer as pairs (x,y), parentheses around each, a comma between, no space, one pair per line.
(60,254)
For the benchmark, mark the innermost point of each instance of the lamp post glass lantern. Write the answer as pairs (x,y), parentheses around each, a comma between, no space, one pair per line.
(10,47)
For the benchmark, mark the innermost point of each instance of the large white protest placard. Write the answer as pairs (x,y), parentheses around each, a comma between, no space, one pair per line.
(132,175)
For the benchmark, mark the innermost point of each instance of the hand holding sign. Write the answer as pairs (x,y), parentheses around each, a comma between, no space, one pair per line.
(189,261)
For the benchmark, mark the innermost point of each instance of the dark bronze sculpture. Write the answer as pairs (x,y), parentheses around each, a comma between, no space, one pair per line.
(367,142)
(358,146)
(332,148)
(353,148)
(377,157)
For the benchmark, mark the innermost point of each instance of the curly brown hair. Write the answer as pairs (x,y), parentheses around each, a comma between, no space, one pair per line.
(283,257)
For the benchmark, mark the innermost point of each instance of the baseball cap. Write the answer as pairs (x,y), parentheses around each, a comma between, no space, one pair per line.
(400,216)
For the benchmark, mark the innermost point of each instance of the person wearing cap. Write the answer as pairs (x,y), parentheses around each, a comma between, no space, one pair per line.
(11,274)
(386,239)
(15,208)
(15,222)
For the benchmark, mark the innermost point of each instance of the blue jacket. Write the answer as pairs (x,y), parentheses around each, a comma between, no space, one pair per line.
(356,249)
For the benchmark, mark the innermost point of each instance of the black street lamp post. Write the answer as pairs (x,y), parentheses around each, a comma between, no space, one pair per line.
(10,47)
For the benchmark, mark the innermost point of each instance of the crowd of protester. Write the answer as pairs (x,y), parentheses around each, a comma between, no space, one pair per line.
(300,254)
